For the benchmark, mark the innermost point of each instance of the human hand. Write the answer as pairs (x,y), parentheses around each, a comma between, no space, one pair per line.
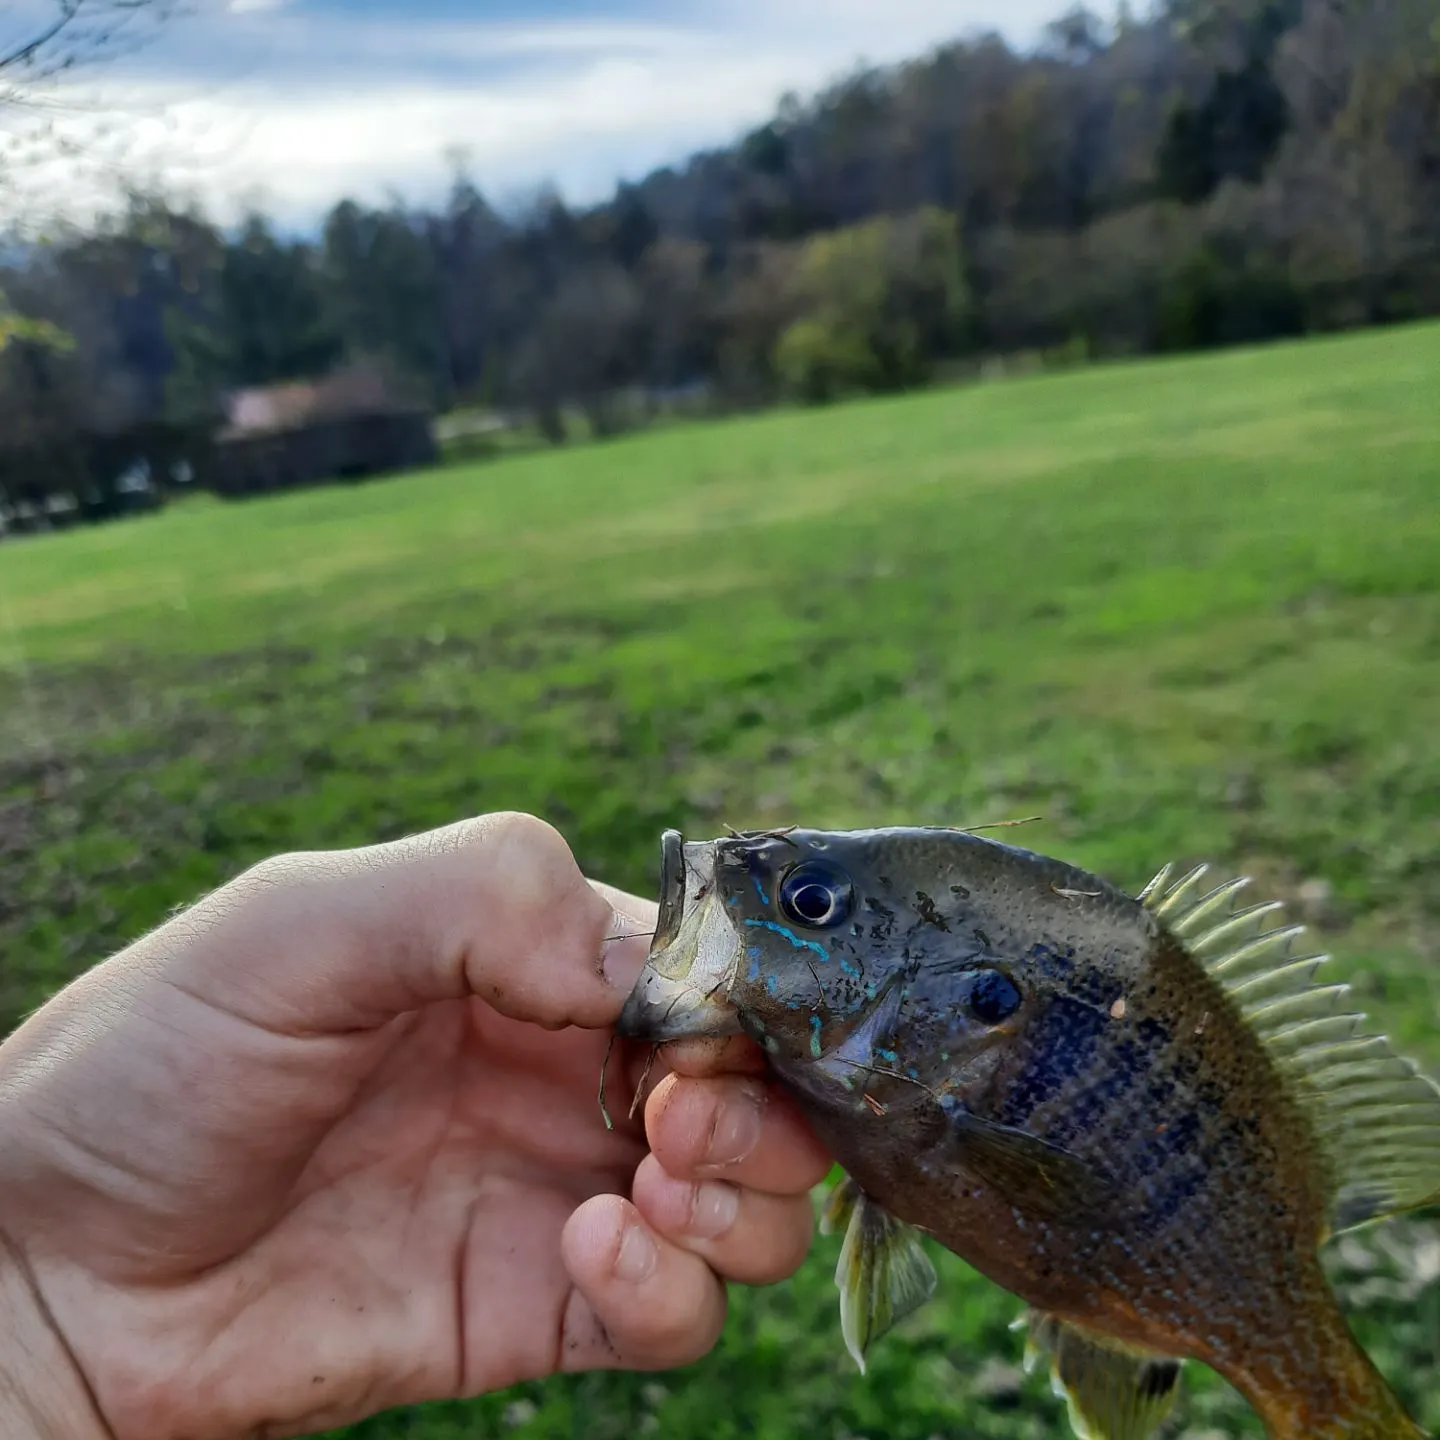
(328,1143)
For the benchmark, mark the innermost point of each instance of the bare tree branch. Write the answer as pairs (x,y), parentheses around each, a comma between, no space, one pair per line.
(74,34)
(59,135)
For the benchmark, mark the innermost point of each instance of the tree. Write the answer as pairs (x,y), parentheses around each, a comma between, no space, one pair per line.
(882,300)
(584,348)
(14,327)
(677,294)
(1232,134)
(467,242)
(45,46)
(1358,180)
(381,291)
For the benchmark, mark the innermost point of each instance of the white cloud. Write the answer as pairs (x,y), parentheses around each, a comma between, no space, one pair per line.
(333,105)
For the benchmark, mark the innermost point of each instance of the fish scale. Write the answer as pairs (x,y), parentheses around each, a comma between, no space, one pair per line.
(1142,1115)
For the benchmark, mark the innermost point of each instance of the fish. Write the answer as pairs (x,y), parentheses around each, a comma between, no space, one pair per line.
(1142,1115)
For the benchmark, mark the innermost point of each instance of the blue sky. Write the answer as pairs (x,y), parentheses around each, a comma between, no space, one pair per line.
(295,102)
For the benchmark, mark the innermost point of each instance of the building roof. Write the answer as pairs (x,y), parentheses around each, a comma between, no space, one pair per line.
(350,393)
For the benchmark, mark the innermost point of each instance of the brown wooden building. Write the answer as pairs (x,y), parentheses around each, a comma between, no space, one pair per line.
(352,424)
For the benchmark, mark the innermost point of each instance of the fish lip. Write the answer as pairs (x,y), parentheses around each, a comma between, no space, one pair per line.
(672,890)
(683,991)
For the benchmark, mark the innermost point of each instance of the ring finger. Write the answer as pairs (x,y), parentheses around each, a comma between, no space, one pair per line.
(745,1235)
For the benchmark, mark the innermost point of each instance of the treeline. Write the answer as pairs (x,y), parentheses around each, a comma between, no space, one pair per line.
(1219,171)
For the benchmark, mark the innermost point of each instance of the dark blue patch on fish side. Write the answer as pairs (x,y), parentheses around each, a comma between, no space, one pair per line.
(1168,1140)
(1173,1194)
(1128,1063)
(1050,961)
(1098,1106)
(1095,987)
(1063,1043)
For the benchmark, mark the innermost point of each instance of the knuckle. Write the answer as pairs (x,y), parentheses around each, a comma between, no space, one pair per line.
(773,1244)
(273,872)
(518,830)
(680,1328)
(687,1116)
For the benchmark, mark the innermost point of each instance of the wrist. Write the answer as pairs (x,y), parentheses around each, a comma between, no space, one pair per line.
(43,1393)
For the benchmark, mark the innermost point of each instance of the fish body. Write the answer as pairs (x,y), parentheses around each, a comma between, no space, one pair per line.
(1140,1115)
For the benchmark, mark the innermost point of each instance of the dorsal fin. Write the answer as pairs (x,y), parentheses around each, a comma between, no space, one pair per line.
(1377,1118)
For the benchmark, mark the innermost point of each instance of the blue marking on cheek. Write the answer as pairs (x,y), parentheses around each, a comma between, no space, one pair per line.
(760,891)
(850,968)
(888,1056)
(733,901)
(756,954)
(772,984)
(791,936)
(871,991)
(815,1036)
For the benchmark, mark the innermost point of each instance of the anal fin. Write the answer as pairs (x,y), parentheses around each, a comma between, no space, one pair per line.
(884,1273)
(1113,1391)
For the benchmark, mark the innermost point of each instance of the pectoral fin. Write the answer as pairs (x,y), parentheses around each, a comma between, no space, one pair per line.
(1113,1391)
(1033,1175)
(884,1273)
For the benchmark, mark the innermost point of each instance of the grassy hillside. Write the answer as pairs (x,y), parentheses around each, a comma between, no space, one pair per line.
(1181,610)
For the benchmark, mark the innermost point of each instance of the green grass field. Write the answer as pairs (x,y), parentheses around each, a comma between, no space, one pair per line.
(1182,610)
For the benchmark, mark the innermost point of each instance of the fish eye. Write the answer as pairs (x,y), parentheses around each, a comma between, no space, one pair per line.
(817,894)
(994,997)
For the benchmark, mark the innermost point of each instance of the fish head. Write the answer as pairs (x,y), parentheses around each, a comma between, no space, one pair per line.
(888,964)
(763,934)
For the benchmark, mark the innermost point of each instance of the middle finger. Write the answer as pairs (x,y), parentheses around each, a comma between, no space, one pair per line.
(736,1128)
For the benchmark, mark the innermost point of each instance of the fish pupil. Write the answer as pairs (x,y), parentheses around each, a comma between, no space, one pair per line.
(813,902)
(994,997)
(817,895)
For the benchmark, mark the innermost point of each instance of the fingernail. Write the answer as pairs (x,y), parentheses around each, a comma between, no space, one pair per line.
(736,1130)
(622,956)
(637,1255)
(714,1208)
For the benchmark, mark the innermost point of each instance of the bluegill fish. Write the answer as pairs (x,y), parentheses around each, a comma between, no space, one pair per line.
(1143,1116)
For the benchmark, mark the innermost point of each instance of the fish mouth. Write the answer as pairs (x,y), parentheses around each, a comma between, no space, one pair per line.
(684,989)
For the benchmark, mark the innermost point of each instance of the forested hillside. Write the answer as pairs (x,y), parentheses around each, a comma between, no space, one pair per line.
(1213,172)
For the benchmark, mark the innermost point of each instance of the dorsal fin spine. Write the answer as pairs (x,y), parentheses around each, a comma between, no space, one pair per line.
(1268,982)
(1176,894)
(1208,905)
(1298,1038)
(1237,924)
(1156,886)
(1259,953)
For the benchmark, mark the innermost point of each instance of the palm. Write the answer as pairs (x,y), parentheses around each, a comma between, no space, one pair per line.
(414,1251)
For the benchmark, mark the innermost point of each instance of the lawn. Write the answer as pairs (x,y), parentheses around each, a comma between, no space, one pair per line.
(1181,610)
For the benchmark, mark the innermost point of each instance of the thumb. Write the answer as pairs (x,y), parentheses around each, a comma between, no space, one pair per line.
(334,942)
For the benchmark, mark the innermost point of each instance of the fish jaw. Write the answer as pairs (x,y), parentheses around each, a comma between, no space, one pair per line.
(684,990)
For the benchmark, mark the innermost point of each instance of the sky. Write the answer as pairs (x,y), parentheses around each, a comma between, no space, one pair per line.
(292,103)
